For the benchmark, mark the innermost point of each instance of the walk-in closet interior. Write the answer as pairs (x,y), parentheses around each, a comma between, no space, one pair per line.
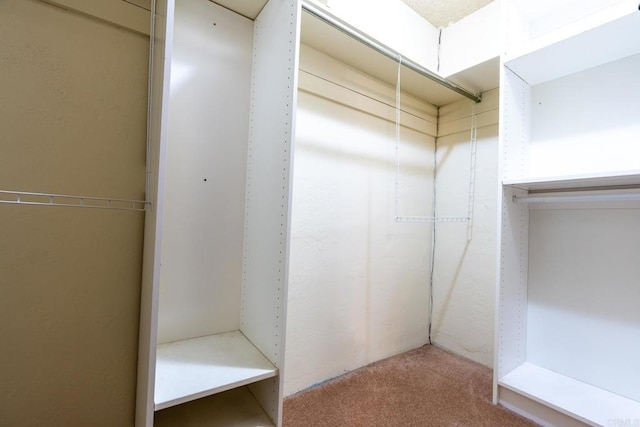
(238,93)
(211,205)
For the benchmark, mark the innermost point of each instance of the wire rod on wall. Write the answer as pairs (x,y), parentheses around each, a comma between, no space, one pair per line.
(472,174)
(473,148)
(49,199)
(385,50)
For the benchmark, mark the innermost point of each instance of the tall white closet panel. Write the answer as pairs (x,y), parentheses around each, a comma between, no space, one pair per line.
(214,307)
(273,92)
(268,209)
(205,175)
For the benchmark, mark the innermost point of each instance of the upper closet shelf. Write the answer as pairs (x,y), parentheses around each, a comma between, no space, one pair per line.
(198,367)
(595,40)
(612,180)
(334,37)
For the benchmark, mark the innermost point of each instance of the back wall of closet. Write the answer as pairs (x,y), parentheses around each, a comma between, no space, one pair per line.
(360,281)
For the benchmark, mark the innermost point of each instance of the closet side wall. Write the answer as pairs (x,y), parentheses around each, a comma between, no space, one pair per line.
(464,266)
(203,221)
(73,120)
(358,288)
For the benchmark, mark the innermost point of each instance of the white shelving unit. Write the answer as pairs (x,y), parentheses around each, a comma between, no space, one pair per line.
(223,89)
(199,367)
(224,82)
(567,335)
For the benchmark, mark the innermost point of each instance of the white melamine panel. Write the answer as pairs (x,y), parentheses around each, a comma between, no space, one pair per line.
(583,317)
(248,8)
(589,404)
(198,367)
(561,35)
(569,124)
(544,415)
(587,122)
(201,270)
(512,278)
(273,93)
(584,181)
(515,112)
(159,75)
(237,408)
(556,20)
(470,42)
(393,24)
(266,222)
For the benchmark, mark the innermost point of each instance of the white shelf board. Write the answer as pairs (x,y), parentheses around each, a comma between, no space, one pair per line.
(604,180)
(577,399)
(247,8)
(198,367)
(580,46)
(237,408)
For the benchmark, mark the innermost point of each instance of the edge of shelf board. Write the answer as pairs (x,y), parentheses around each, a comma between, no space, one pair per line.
(554,56)
(582,401)
(199,367)
(597,180)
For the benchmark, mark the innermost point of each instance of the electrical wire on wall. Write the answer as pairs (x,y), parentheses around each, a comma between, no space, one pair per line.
(433,219)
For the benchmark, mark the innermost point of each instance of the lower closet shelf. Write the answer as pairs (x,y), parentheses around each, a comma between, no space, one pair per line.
(198,367)
(589,404)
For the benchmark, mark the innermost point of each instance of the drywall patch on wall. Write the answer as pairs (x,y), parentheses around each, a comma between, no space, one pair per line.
(358,287)
(464,270)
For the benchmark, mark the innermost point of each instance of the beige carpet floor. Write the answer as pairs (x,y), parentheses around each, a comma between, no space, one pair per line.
(423,387)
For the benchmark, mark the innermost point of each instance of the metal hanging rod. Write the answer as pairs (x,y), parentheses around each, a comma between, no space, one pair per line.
(48,199)
(616,197)
(385,50)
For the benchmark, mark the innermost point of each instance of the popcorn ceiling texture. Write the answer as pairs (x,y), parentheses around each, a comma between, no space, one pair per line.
(442,13)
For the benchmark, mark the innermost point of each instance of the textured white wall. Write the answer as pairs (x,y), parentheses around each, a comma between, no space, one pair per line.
(358,287)
(465,270)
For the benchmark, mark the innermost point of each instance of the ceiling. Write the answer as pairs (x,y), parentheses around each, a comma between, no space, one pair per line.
(442,13)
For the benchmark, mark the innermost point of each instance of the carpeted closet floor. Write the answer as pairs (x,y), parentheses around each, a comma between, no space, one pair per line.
(423,387)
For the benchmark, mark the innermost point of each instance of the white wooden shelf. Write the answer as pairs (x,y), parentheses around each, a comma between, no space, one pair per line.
(199,367)
(582,181)
(582,45)
(577,399)
(237,408)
